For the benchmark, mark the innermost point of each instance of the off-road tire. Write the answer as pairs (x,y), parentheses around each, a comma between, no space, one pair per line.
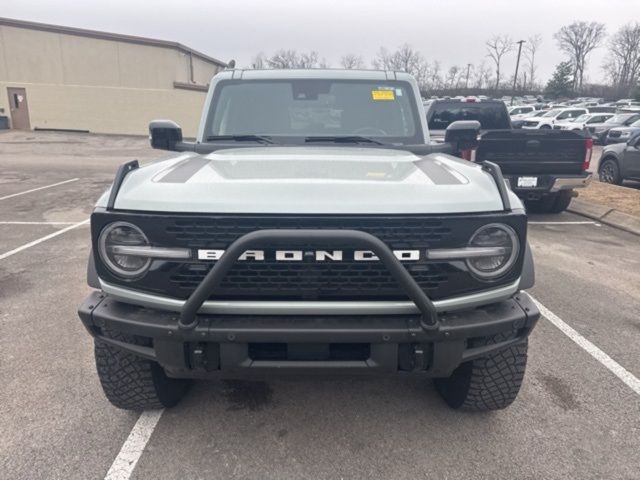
(552,203)
(609,172)
(543,205)
(487,383)
(561,201)
(131,382)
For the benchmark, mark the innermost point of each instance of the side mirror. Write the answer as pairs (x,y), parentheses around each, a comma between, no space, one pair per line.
(463,134)
(164,134)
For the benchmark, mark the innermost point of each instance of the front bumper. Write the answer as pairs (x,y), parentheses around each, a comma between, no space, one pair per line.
(225,345)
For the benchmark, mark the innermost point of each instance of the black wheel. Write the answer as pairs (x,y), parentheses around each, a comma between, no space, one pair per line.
(487,383)
(543,205)
(561,201)
(134,383)
(609,172)
(545,127)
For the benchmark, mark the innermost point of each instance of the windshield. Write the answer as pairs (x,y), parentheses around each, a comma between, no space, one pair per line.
(581,118)
(284,110)
(552,113)
(635,124)
(492,116)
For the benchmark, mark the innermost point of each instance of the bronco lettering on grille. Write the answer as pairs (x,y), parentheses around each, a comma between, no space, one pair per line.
(317,255)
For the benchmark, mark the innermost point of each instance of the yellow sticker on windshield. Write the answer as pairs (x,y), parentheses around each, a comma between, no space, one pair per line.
(383,95)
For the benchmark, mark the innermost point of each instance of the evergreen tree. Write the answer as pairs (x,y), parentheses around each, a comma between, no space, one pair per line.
(561,84)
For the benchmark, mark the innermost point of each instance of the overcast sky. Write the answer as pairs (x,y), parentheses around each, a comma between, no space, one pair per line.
(451,31)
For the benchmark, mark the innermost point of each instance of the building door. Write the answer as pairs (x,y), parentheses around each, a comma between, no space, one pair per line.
(19,108)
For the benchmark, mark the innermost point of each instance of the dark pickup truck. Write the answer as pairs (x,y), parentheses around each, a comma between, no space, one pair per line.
(543,167)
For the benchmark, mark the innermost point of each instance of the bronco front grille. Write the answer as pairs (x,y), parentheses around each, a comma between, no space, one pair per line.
(308,279)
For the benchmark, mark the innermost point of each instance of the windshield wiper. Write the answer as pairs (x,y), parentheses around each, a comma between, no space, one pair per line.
(344,139)
(240,138)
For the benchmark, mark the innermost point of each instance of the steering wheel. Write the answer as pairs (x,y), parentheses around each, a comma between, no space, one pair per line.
(370,131)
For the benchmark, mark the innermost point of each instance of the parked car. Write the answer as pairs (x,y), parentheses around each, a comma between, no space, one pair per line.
(599,131)
(548,120)
(521,112)
(582,121)
(520,121)
(620,161)
(204,263)
(603,109)
(623,134)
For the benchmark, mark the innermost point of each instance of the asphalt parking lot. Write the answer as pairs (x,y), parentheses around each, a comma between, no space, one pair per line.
(578,415)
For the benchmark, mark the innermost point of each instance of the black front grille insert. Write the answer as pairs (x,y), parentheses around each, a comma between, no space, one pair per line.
(220,232)
(308,279)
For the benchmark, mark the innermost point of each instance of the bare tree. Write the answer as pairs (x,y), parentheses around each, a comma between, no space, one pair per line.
(258,62)
(308,60)
(453,77)
(623,65)
(530,51)
(482,76)
(404,59)
(434,80)
(283,59)
(578,40)
(289,58)
(497,47)
(351,61)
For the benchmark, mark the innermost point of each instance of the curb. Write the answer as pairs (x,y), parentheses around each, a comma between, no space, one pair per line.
(608,216)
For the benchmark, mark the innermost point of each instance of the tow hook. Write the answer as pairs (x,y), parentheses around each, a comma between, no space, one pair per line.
(418,358)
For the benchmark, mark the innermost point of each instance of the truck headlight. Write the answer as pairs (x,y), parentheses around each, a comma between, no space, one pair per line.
(494,235)
(114,240)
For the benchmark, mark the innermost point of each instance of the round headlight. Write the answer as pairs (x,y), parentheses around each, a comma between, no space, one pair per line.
(504,239)
(122,234)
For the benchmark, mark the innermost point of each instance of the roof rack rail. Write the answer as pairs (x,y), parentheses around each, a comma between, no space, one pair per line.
(494,170)
(123,171)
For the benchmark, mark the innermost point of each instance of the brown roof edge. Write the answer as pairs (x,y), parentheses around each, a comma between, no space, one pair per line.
(11,22)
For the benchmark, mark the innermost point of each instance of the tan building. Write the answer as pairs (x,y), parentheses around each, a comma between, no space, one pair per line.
(54,77)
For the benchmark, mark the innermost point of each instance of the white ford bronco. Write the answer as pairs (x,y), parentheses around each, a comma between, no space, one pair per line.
(310,228)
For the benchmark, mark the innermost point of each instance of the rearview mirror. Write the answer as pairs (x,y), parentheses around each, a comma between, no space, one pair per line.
(164,134)
(463,134)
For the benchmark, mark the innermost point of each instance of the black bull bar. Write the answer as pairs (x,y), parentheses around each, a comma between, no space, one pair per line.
(358,239)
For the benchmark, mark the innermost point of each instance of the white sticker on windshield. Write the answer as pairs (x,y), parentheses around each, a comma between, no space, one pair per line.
(398,92)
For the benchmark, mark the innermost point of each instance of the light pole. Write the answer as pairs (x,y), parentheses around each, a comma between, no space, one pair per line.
(466,82)
(515,77)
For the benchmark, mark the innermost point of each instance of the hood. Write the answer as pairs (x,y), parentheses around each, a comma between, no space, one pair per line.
(630,130)
(310,180)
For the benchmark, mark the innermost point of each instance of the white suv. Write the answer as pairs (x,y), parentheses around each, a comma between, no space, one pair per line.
(549,119)
(521,112)
(582,121)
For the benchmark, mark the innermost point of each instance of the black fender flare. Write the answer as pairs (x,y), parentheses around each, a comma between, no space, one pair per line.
(92,274)
(528,277)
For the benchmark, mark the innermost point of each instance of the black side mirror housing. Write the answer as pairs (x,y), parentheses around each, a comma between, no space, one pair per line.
(463,134)
(164,134)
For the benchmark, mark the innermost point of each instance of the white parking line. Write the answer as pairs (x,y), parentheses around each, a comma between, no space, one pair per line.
(39,188)
(42,239)
(614,367)
(122,467)
(37,223)
(565,223)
